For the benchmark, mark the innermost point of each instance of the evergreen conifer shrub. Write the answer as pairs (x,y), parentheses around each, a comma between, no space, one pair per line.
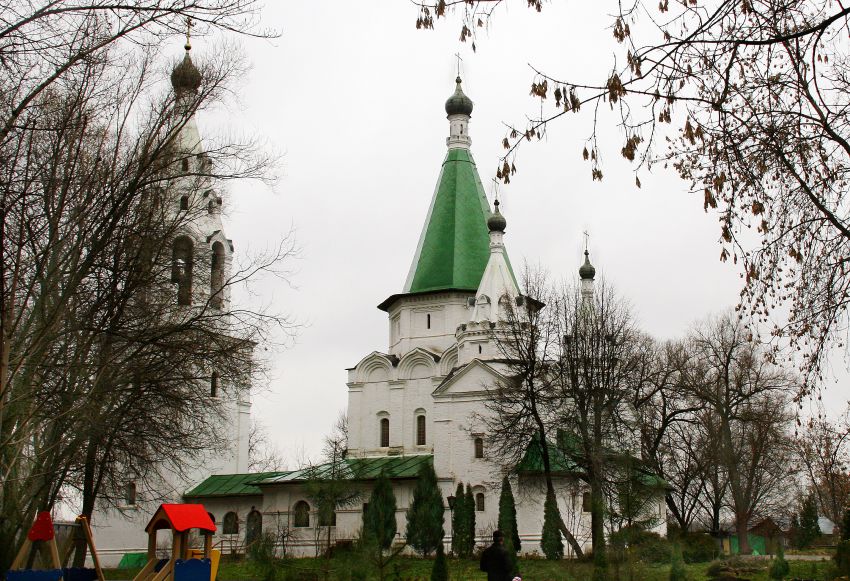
(425,517)
(459,521)
(809,527)
(440,569)
(379,524)
(469,508)
(550,542)
(677,564)
(779,568)
(507,516)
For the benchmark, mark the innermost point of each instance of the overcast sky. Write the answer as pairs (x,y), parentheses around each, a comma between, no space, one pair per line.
(352,95)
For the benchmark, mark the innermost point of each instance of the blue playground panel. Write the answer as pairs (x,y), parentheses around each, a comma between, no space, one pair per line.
(31,575)
(192,570)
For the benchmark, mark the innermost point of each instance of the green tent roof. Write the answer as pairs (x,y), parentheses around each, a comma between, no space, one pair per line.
(532,460)
(568,447)
(397,467)
(231,485)
(455,242)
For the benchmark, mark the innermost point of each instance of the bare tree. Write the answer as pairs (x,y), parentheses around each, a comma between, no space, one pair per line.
(97,340)
(520,409)
(332,484)
(748,398)
(577,369)
(748,101)
(669,434)
(603,361)
(824,449)
(263,454)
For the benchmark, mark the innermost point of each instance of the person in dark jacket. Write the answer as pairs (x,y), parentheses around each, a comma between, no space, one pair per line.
(495,560)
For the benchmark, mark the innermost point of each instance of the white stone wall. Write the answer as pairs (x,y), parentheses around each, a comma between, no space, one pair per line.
(409,321)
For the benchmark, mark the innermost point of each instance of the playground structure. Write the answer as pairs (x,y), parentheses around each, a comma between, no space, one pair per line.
(41,538)
(185,563)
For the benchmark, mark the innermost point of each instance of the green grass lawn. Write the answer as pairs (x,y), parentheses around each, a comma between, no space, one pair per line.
(350,567)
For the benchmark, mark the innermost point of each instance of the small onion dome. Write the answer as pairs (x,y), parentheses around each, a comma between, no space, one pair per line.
(496,222)
(459,104)
(186,76)
(587,271)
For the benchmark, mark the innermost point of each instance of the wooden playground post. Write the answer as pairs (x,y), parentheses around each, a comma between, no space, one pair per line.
(84,522)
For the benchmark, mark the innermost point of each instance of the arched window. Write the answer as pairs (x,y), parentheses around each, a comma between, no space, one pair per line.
(181,269)
(301,514)
(216,275)
(420,430)
(214,384)
(230,526)
(130,494)
(385,432)
(184,163)
(184,202)
(479,502)
(253,526)
(585,502)
(479,447)
(210,207)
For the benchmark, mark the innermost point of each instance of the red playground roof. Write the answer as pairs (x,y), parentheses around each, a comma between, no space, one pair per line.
(181,517)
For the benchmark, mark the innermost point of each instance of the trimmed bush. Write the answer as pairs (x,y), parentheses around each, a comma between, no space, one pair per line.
(698,548)
(507,515)
(426,513)
(842,558)
(440,570)
(550,539)
(645,546)
(677,564)
(779,568)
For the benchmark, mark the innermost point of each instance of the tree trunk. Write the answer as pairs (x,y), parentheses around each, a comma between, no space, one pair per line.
(80,544)
(597,530)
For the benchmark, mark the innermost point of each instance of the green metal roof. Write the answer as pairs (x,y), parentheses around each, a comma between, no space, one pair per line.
(532,460)
(455,242)
(395,467)
(231,485)
(562,465)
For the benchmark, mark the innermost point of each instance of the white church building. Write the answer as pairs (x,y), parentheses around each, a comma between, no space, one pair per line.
(421,400)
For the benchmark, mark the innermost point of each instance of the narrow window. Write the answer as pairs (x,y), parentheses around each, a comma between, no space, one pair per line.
(479,502)
(214,384)
(301,514)
(181,269)
(585,502)
(254,526)
(385,432)
(210,207)
(479,447)
(130,494)
(185,164)
(479,349)
(217,275)
(184,202)
(428,320)
(420,430)
(230,526)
